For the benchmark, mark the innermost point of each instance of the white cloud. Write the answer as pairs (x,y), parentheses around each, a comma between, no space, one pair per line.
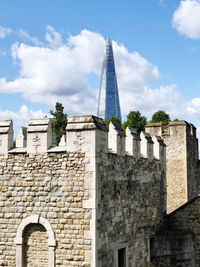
(4,32)
(132,69)
(61,73)
(25,35)
(186,19)
(22,117)
(53,37)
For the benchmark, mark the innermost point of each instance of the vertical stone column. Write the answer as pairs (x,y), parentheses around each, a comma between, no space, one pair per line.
(159,149)
(88,134)
(146,145)
(21,138)
(39,136)
(132,143)
(19,255)
(116,139)
(6,136)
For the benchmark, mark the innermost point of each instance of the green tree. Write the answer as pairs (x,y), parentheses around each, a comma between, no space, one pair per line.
(135,120)
(161,116)
(113,119)
(59,122)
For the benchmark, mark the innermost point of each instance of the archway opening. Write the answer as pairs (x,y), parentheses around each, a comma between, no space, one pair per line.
(35,246)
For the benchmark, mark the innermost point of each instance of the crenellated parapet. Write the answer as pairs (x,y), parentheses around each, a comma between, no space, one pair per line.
(83,134)
(6,136)
(159,148)
(86,134)
(157,128)
(132,143)
(21,138)
(181,159)
(116,139)
(39,136)
(146,145)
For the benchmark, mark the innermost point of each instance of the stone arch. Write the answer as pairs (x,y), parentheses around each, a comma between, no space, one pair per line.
(19,239)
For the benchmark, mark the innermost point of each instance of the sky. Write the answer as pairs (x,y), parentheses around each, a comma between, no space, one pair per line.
(52,51)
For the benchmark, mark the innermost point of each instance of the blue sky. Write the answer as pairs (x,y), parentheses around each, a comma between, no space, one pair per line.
(53,50)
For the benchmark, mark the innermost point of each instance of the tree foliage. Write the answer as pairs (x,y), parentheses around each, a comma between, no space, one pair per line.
(135,120)
(113,119)
(161,116)
(59,122)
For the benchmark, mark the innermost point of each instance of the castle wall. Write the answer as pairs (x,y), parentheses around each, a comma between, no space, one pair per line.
(83,203)
(172,248)
(193,177)
(51,185)
(182,158)
(179,238)
(131,205)
(186,220)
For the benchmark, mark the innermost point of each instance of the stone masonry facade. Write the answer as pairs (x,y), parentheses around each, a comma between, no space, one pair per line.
(130,208)
(182,161)
(99,198)
(94,200)
(52,186)
(177,242)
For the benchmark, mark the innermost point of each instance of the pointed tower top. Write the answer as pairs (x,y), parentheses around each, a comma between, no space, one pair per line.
(108,104)
(109,40)
(109,48)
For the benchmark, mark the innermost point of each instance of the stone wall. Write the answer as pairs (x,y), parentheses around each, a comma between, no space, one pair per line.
(179,237)
(131,206)
(186,220)
(51,185)
(192,162)
(175,245)
(182,161)
(130,200)
(88,202)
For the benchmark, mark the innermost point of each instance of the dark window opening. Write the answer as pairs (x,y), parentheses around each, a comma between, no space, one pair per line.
(122,257)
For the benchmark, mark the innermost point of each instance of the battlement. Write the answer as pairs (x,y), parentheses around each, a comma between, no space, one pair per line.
(83,134)
(94,188)
(181,160)
(157,128)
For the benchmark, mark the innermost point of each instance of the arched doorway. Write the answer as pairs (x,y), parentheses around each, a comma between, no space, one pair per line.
(34,234)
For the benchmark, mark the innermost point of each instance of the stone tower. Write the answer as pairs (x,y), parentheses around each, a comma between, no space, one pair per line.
(182,160)
(108,104)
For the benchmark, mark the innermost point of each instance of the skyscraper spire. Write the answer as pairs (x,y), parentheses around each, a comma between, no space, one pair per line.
(108,104)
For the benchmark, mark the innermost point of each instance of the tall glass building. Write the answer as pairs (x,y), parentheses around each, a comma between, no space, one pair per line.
(108,104)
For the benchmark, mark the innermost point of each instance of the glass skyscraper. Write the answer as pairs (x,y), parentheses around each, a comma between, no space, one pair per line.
(108,104)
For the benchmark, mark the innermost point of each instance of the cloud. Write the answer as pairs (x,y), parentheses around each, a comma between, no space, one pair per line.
(150,100)
(22,117)
(25,35)
(61,73)
(53,37)
(4,32)
(133,70)
(186,18)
